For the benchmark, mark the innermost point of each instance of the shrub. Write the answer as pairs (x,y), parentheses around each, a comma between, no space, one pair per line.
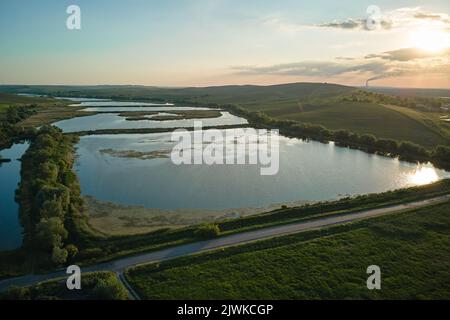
(442,154)
(109,289)
(208,231)
(72,250)
(59,256)
(408,149)
(387,145)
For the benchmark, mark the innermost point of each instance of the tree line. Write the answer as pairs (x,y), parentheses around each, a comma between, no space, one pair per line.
(49,198)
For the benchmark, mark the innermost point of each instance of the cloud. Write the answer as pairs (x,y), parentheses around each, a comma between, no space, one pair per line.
(358,24)
(408,54)
(401,62)
(313,68)
(398,18)
(434,17)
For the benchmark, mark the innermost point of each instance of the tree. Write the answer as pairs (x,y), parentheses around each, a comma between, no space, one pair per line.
(387,145)
(411,150)
(442,153)
(50,233)
(59,256)
(342,135)
(368,140)
(52,208)
(72,250)
(48,171)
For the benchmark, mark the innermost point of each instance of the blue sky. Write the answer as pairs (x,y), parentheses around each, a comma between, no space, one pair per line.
(214,42)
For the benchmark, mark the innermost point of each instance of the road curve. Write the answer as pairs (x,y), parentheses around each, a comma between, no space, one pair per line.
(120,265)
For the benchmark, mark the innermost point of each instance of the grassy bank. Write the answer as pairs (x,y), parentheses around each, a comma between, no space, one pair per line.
(324,264)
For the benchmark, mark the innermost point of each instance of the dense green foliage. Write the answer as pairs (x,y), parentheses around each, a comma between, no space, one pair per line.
(94,286)
(323,264)
(49,197)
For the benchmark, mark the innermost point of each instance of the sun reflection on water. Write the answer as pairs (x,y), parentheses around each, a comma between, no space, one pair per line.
(423,175)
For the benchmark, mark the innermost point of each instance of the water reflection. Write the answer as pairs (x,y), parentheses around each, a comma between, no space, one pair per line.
(10,228)
(423,175)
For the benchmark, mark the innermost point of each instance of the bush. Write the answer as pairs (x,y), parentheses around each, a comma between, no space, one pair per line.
(72,250)
(411,150)
(387,145)
(59,256)
(368,140)
(208,231)
(109,289)
(442,154)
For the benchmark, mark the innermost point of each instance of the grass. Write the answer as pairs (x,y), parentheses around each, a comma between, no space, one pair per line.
(7,99)
(430,120)
(411,249)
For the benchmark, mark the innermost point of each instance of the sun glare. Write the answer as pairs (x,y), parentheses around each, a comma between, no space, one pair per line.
(430,40)
(423,175)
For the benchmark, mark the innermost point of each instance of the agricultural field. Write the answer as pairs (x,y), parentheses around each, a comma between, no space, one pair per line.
(327,264)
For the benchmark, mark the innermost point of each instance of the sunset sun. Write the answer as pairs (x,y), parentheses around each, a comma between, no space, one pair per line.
(430,40)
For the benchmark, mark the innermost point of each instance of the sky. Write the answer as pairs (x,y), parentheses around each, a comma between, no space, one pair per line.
(220,42)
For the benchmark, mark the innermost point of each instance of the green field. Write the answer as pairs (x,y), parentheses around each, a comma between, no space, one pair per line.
(411,249)
(381,121)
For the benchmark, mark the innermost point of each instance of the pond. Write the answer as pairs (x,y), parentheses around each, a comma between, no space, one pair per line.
(308,171)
